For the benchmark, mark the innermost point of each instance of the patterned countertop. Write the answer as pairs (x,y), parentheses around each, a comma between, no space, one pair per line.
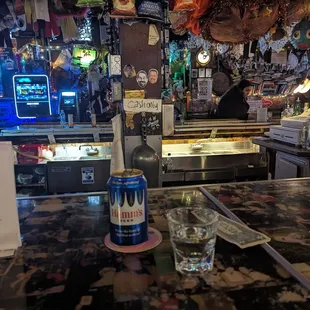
(280,209)
(64,264)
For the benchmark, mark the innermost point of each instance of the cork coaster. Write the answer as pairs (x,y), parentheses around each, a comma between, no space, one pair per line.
(154,240)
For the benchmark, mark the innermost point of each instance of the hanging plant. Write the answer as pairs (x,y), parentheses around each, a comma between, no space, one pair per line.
(241,21)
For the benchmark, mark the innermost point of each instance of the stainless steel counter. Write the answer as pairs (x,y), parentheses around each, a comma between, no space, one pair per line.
(216,161)
(54,133)
(48,128)
(287,161)
(190,127)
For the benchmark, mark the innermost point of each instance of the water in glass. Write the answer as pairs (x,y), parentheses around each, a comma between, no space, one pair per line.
(193,237)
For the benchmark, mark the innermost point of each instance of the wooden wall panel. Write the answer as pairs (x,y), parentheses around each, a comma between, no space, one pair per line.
(136,51)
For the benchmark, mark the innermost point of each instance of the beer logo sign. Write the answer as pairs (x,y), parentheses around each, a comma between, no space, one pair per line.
(127,210)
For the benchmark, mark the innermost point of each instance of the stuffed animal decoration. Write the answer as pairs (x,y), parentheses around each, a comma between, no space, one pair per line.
(240,21)
(301,35)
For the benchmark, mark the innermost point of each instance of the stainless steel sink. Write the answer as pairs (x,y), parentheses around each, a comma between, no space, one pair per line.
(176,154)
(75,158)
(65,158)
(186,154)
(100,157)
(222,152)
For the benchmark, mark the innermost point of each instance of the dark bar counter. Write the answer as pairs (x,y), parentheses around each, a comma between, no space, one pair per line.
(279,209)
(63,263)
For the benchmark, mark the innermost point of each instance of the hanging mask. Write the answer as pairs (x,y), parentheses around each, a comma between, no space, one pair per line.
(301,35)
(222,48)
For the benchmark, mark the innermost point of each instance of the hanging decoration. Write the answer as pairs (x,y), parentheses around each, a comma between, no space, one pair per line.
(194,16)
(85,31)
(263,45)
(237,51)
(278,45)
(36,13)
(63,60)
(97,87)
(151,9)
(278,32)
(124,8)
(300,37)
(296,10)
(292,60)
(178,21)
(20,24)
(240,21)
(222,48)
(197,42)
(174,52)
(206,45)
(185,5)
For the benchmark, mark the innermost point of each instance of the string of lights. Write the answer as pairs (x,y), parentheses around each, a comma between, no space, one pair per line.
(30,46)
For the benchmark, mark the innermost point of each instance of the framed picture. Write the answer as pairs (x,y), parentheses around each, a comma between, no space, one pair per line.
(202,72)
(205,89)
(194,73)
(208,73)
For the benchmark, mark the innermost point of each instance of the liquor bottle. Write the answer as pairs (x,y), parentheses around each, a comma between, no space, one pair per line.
(297,108)
(286,112)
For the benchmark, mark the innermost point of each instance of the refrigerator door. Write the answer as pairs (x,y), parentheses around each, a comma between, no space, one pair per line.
(288,166)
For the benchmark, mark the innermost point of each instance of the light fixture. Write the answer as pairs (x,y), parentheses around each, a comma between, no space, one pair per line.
(203,57)
(298,88)
(306,87)
(303,88)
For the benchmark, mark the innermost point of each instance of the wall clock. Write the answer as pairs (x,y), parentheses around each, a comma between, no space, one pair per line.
(203,57)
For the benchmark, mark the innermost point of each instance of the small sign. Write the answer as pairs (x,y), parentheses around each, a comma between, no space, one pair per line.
(262,115)
(202,72)
(153,123)
(254,105)
(61,169)
(279,58)
(153,35)
(88,175)
(204,89)
(142,105)
(115,65)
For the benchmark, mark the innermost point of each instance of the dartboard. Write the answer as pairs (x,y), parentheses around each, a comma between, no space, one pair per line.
(221,83)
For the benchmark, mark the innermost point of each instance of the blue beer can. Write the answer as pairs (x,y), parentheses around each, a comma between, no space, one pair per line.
(127,190)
